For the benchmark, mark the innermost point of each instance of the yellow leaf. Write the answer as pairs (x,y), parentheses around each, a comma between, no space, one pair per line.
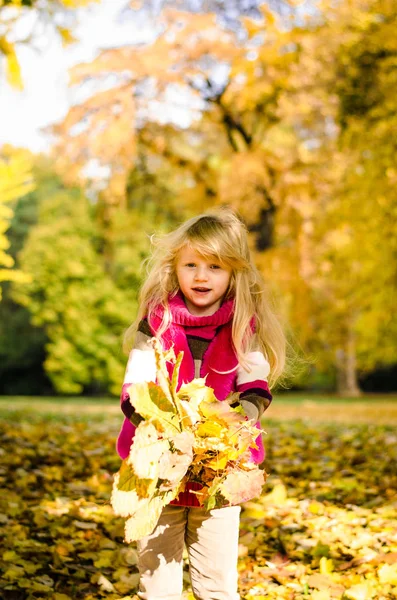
(190,415)
(183,442)
(77,3)
(196,392)
(146,451)
(326,565)
(104,559)
(221,411)
(388,574)
(218,463)
(209,429)
(316,507)
(144,520)
(254,510)
(173,466)
(321,595)
(66,36)
(14,573)
(126,583)
(126,477)
(105,584)
(361,591)
(9,555)
(278,495)
(13,70)
(125,503)
(242,486)
(151,402)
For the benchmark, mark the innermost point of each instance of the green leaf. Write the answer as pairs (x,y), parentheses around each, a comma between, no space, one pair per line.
(127,477)
(211,503)
(321,550)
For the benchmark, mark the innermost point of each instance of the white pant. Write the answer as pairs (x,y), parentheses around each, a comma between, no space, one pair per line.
(211,539)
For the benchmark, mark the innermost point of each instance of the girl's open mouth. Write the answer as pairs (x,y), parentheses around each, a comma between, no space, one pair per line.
(201,290)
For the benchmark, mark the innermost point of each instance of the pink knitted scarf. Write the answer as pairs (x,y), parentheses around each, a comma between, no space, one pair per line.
(219,361)
(182,316)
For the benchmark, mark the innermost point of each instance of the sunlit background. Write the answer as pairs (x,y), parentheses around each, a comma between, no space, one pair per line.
(118,120)
(121,119)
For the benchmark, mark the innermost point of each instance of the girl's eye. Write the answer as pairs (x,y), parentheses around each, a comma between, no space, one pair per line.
(190,265)
(215,267)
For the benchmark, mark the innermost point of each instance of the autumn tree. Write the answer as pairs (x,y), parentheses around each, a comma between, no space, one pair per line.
(261,124)
(366,197)
(225,94)
(347,262)
(230,142)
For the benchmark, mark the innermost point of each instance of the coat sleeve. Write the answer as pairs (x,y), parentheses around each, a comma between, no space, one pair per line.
(255,396)
(141,367)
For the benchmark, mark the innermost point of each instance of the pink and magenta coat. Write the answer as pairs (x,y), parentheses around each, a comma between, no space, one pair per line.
(219,365)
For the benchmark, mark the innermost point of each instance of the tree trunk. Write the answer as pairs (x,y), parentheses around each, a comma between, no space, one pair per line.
(346,367)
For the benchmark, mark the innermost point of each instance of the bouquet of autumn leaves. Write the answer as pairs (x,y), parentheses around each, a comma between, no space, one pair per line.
(186,436)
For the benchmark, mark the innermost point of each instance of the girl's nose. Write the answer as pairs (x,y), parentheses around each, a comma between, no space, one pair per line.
(201,274)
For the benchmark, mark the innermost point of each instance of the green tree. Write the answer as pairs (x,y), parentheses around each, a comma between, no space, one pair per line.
(72,299)
(27,330)
(22,345)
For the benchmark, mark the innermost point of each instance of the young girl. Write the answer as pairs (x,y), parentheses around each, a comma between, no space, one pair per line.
(204,296)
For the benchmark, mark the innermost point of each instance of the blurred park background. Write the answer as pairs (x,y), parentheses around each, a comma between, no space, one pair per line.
(118,120)
(121,119)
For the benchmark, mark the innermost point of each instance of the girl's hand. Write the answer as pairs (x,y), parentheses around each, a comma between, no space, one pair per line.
(250,410)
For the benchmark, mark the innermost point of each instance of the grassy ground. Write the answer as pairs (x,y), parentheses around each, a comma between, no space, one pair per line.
(377,409)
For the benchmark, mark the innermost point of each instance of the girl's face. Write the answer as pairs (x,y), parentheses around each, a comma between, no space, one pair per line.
(202,281)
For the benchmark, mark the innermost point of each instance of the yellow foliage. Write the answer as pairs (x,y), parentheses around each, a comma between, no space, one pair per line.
(169,451)
(388,574)
(326,565)
(13,70)
(209,429)
(360,591)
(77,3)
(15,181)
(278,495)
(66,36)
(321,595)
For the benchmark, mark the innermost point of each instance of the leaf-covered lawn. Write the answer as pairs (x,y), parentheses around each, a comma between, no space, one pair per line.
(325,528)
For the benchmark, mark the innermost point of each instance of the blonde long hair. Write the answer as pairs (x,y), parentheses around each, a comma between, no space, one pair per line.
(218,234)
